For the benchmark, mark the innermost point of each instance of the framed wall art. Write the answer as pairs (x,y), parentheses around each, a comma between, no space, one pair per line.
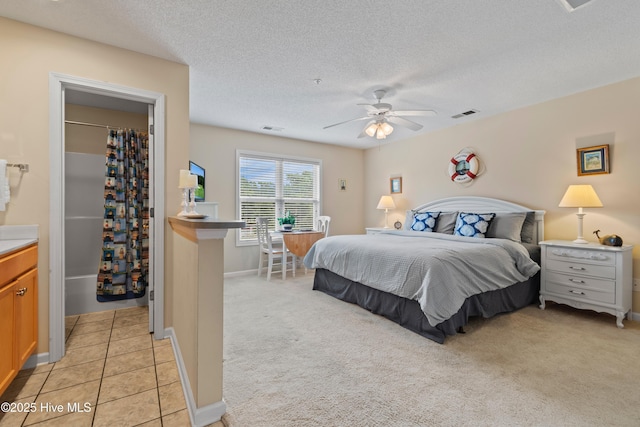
(396,185)
(593,160)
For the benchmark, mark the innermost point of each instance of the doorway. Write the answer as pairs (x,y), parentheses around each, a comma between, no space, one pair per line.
(108,96)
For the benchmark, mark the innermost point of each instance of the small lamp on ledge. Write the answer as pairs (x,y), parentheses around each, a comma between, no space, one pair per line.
(580,196)
(187,184)
(184,186)
(386,203)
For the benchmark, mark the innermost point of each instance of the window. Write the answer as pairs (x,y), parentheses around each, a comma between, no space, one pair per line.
(271,185)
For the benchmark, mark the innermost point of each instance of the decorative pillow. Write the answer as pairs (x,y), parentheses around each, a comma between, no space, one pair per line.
(527,235)
(424,221)
(446,222)
(507,226)
(473,224)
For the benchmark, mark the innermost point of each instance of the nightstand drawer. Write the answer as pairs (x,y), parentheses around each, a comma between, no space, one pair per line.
(577,268)
(585,256)
(602,291)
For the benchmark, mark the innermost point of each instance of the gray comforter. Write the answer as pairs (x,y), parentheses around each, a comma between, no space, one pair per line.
(438,270)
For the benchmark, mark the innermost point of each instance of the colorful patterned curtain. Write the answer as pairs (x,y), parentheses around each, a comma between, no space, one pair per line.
(124,265)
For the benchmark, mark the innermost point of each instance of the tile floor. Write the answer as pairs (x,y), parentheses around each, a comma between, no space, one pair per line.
(112,364)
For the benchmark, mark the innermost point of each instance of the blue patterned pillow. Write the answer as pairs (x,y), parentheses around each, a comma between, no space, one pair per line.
(473,224)
(424,221)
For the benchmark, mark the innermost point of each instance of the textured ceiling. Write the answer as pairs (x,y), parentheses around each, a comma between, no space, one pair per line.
(255,63)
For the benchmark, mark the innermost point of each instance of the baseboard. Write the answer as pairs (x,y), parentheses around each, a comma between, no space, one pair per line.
(635,316)
(199,417)
(35,360)
(241,273)
(254,272)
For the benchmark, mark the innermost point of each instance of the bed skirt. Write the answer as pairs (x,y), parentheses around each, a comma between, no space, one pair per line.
(408,313)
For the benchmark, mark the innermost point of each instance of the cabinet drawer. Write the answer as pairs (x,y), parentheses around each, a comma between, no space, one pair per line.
(581,288)
(582,255)
(12,265)
(576,268)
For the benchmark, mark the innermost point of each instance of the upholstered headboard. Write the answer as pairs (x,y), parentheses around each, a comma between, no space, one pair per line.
(484,204)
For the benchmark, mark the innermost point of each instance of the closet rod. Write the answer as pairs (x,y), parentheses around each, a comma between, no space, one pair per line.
(73,122)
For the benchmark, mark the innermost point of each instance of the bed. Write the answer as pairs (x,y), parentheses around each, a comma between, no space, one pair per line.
(434,280)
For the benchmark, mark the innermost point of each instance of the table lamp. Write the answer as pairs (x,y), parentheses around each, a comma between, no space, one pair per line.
(580,196)
(183,184)
(386,203)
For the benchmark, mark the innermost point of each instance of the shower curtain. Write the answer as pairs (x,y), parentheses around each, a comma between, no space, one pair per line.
(124,264)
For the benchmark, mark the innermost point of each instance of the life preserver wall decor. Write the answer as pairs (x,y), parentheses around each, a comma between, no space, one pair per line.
(464,167)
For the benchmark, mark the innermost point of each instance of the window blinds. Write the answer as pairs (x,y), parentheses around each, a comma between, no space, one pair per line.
(271,186)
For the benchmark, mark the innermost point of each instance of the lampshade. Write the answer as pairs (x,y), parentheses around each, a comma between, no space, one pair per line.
(386,202)
(184,179)
(580,196)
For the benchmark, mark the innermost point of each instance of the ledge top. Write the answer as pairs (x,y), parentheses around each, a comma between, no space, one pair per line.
(206,223)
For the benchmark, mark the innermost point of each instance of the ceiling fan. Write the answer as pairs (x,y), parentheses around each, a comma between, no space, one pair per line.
(381,115)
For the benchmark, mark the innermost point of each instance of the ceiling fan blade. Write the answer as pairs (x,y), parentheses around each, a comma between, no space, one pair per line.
(370,108)
(404,122)
(363,133)
(347,121)
(412,113)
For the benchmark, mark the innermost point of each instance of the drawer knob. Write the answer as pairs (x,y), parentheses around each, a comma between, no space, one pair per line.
(577,268)
(20,292)
(576,281)
(576,292)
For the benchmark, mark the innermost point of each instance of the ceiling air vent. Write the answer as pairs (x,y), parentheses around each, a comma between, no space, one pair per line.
(572,5)
(466,113)
(272,128)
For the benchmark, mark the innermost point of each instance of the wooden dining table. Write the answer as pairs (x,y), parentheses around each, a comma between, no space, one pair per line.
(299,242)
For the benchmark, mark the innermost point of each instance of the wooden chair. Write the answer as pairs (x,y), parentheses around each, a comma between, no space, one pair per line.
(272,250)
(323,224)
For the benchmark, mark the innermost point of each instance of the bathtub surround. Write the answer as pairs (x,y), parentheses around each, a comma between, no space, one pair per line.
(84,205)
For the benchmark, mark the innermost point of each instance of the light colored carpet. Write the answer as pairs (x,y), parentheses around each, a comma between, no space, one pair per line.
(297,357)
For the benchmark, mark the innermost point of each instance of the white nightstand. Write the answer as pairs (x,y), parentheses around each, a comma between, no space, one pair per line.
(376,230)
(587,276)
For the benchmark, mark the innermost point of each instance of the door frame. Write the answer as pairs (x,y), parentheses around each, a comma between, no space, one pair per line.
(58,83)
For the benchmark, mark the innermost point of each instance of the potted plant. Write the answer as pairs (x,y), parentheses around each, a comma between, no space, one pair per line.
(287,222)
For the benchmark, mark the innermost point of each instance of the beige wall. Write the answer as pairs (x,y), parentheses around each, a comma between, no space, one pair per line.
(530,159)
(93,140)
(29,54)
(214,149)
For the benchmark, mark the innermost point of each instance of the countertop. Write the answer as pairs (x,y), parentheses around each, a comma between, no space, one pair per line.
(7,246)
(13,237)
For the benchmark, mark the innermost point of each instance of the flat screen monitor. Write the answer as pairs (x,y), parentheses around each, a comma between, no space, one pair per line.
(199,172)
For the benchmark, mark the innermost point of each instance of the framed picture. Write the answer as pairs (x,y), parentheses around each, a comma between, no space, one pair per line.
(593,160)
(396,185)
(342,184)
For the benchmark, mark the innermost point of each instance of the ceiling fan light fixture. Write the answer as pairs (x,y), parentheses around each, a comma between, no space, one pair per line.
(371,129)
(379,130)
(386,128)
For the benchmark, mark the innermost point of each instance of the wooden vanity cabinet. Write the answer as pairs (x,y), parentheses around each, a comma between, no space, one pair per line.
(18,311)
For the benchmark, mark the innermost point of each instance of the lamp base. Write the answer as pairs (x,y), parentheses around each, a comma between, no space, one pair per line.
(580,239)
